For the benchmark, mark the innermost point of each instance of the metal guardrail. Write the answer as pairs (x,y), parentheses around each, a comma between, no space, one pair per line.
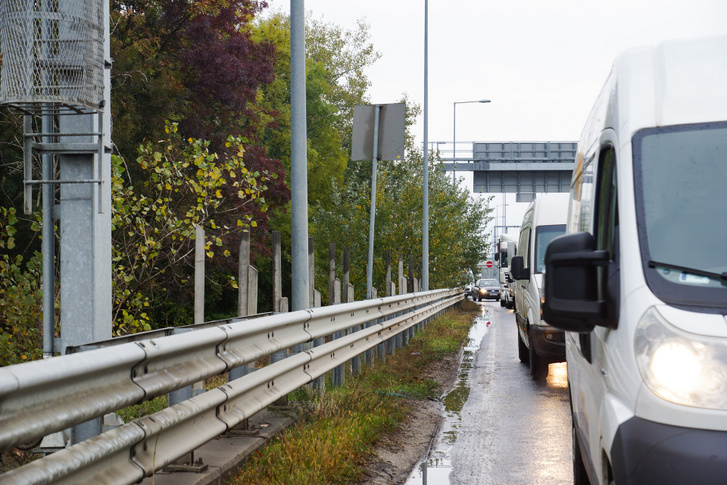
(42,397)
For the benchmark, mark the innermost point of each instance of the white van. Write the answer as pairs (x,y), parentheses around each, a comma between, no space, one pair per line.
(538,343)
(506,250)
(640,279)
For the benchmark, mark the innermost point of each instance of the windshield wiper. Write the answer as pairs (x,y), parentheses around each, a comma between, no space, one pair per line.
(699,272)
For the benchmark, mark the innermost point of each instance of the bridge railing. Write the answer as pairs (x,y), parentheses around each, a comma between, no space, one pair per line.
(42,397)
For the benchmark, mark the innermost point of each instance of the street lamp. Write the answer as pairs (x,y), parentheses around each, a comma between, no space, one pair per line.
(454,132)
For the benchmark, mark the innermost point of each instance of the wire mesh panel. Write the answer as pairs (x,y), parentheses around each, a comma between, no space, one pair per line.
(52,52)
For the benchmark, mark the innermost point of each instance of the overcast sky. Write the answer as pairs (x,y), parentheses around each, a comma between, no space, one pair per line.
(541,63)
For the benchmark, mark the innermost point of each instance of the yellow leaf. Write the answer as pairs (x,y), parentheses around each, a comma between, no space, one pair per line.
(253,224)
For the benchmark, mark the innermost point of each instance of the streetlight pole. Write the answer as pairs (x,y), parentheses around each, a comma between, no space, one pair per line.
(454,133)
(425,157)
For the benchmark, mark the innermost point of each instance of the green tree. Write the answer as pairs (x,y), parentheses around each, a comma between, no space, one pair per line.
(457,220)
(20,297)
(185,185)
(335,83)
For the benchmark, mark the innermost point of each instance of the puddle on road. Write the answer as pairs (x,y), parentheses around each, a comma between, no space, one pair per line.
(436,468)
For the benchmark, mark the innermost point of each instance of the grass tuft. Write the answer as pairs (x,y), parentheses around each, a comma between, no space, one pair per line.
(332,443)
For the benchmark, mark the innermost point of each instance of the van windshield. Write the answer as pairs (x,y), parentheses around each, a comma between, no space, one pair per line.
(680,177)
(543,236)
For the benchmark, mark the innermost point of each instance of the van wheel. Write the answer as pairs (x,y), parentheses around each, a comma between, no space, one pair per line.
(522,350)
(580,475)
(538,365)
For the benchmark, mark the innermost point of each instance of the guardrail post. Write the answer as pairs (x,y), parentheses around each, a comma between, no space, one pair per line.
(381,348)
(278,356)
(278,289)
(246,295)
(338,374)
(315,301)
(87,430)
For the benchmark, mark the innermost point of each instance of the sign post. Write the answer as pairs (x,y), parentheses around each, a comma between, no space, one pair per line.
(378,134)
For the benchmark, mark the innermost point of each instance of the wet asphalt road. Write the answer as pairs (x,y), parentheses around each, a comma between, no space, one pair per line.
(513,430)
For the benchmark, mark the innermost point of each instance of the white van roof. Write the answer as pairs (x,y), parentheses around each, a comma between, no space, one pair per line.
(548,209)
(671,83)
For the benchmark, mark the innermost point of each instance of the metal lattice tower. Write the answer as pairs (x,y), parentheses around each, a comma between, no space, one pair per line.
(53,53)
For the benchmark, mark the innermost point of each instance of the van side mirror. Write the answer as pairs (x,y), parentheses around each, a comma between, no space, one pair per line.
(571,283)
(517,270)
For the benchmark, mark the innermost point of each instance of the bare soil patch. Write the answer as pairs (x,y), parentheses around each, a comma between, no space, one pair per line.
(397,453)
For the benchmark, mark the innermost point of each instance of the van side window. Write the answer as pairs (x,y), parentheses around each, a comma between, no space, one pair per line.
(584,194)
(524,246)
(606,226)
(606,203)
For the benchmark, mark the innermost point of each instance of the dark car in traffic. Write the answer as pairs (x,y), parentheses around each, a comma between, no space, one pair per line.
(486,289)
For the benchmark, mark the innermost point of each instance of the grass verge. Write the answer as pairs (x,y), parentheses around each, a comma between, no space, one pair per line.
(331,443)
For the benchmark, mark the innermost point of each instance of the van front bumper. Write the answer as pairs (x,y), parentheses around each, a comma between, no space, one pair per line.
(549,342)
(648,452)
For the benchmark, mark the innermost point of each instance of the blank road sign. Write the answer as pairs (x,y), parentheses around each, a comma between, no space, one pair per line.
(392,119)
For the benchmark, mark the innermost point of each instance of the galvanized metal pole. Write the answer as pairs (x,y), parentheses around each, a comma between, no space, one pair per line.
(48,249)
(425,175)
(85,226)
(454,142)
(298,158)
(372,219)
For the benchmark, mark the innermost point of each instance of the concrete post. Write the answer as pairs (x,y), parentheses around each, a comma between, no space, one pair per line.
(243,275)
(198,274)
(331,271)
(411,273)
(311,274)
(346,272)
(402,284)
(388,290)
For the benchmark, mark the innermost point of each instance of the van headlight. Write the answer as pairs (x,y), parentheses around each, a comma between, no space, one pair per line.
(682,368)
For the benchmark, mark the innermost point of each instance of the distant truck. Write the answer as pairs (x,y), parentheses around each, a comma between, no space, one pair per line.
(506,249)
